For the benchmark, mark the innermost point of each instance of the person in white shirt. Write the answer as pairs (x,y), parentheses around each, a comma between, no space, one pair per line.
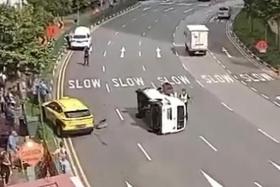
(184,96)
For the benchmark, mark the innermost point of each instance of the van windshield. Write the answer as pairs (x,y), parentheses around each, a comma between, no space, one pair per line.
(80,36)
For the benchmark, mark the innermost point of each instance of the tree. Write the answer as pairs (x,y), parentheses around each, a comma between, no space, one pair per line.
(250,7)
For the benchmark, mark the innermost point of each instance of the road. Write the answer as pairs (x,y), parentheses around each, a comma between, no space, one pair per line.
(232,137)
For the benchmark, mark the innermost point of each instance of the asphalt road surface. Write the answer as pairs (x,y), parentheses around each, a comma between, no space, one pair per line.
(232,137)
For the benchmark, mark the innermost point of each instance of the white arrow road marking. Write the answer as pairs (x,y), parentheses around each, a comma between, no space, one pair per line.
(226,52)
(128,184)
(188,10)
(119,114)
(225,105)
(275,165)
(257,184)
(212,182)
(267,135)
(143,150)
(208,143)
(158,52)
(122,52)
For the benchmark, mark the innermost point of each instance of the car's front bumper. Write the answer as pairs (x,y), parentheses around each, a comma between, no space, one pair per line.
(75,131)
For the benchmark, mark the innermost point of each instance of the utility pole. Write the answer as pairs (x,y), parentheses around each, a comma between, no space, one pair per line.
(78,13)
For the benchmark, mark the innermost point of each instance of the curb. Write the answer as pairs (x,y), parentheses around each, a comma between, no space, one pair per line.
(249,52)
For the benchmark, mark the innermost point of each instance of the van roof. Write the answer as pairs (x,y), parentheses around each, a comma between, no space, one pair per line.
(197,28)
(82,29)
(154,94)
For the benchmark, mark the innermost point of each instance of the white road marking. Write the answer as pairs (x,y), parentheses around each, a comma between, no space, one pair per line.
(128,184)
(144,34)
(275,165)
(226,52)
(215,58)
(156,20)
(140,43)
(267,135)
(184,4)
(143,150)
(223,66)
(139,53)
(200,83)
(109,42)
(257,184)
(173,35)
(276,103)
(147,8)
(208,143)
(169,9)
(149,27)
(104,53)
(265,96)
(153,85)
(103,68)
(229,71)
(158,52)
(134,19)
(122,52)
(123,26)
(277,98)
(254,89)
(116,33)
(119,114)
(185,67)
(243,82)
(188,10)
(225,105)
(176,53)
(144,68)
(178,45)
(235,76)
(108,88)
(176,28)
(212,181)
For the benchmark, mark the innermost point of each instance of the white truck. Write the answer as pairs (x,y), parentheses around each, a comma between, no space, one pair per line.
(196,39)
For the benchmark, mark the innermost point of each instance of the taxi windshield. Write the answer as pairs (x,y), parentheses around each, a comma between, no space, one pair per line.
(77,114)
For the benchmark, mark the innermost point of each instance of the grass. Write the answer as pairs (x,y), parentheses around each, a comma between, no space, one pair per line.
(241,27)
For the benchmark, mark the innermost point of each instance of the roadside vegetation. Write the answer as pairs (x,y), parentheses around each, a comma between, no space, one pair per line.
(251,25)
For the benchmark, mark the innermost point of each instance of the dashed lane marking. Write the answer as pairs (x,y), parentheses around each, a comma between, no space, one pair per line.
(268,136)
(103,68)
(119,114)
(149,27)
(153,85)
(275,165)
(200,83)
(229,71)
(265,96)
(134,19)
(144,68)
(140,43)
(144,34)
(123,26)
(108,88)
(276,103)
(105,53)
(109,42)
(116,33)
(225,105)
(156,20)
(208,143)
(243,82)
(139,53)
(257,184)
(188,10)
(254,89)
(144,151)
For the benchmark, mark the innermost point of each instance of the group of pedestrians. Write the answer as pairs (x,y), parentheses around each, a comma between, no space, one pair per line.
(62,156)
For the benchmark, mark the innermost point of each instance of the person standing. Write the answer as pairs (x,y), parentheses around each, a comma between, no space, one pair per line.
(6,170)
(184,96)
(65,166)
(68,40)
(86,56)
(61,151)
(12,146)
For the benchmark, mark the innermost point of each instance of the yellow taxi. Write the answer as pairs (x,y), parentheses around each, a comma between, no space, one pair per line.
(68,115)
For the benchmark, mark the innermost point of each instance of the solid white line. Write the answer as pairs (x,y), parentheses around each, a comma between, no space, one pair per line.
(267,135)
(186,11)
(123,26)
(143,67)
(265,96)
(185,67)
(104,53)
(109,42)
(226,106)
(139,53)
(200,83)
(229,71)
(153,85)
(208,143)
(103,68)
(119,114)
(257,184)
(254,89)
(277,103)
(116,33)
(143,150)
(108,88)
(140,43)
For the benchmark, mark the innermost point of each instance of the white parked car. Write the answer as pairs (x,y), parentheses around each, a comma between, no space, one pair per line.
(224,13)
(81,38)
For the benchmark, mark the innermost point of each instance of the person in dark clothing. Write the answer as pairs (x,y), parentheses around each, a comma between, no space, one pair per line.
(86,56)
(67,38)
(6,169)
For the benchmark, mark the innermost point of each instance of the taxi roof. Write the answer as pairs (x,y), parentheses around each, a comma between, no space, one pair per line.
(71,104)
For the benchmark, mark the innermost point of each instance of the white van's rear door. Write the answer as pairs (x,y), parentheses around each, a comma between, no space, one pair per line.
(199,40)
